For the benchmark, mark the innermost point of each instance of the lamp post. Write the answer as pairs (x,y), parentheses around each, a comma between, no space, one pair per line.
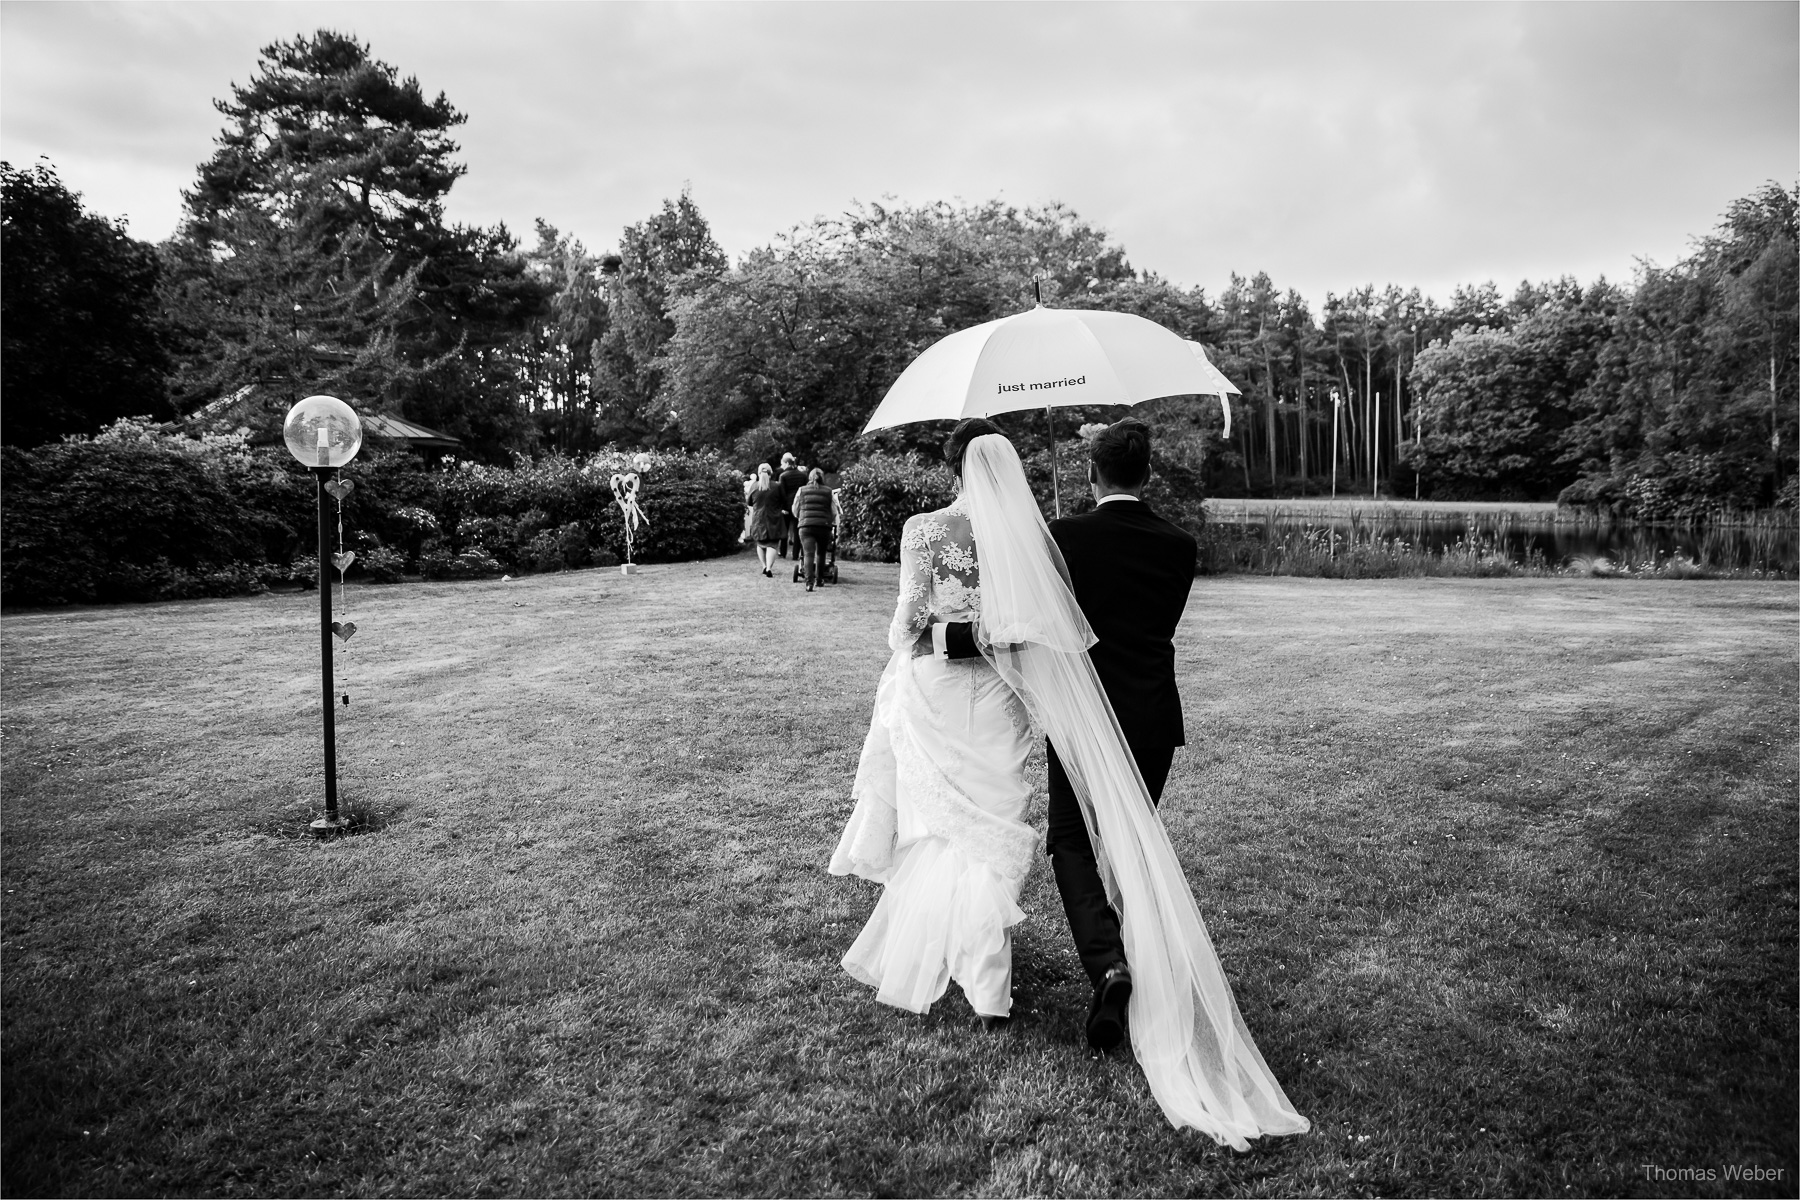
(324,433)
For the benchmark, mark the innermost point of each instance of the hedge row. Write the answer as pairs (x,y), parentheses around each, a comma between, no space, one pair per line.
(135,514)
(878,493)
(1684,486)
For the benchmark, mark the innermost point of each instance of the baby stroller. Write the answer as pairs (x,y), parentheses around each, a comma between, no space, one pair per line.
(827,561)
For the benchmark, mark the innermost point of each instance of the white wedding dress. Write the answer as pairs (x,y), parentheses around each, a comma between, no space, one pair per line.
(940,793)
(941,796)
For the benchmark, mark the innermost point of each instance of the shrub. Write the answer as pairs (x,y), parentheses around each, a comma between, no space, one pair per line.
(303,573)
(378,564)
(139,514)
(565,547)
(1174,490)
(393,491)
(877,494)
(1692,487)
(693,502)
(1681,487)
(1071,476)
(436,562)
(1602,493)
(135,515)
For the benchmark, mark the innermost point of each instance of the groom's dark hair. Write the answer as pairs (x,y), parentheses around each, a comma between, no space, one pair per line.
(1121,453)
(966,431)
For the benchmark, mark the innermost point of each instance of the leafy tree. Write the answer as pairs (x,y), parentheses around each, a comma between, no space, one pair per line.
(1693,396)
(1496,404)
(326,191)
(558,355)
(805,335)
(82,342)
(1353,326)
(659,259)
(277,305)
(479,299)
(322,112)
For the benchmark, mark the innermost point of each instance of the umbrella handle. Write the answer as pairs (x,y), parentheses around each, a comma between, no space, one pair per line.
(1055,472)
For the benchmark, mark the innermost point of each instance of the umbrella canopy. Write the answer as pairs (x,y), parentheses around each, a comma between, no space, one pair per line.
(1047,357)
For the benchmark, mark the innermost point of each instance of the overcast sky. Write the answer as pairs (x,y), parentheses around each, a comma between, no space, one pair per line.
(1329,145)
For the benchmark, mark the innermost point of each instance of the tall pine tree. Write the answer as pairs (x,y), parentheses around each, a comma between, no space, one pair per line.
(315,253)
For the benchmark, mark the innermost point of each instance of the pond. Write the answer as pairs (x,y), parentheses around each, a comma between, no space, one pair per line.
(1764,544)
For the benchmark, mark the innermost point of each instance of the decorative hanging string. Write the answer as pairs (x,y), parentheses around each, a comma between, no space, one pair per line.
(338,489)
(625,490)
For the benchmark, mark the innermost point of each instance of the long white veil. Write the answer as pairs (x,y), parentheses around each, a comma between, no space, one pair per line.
(1202,1065)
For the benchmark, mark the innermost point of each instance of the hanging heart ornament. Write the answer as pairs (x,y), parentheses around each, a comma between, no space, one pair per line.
(344,629)
(339,488)
(342,560)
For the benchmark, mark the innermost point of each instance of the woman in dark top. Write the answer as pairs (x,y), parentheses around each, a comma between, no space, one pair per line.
(815,513)
(767,517)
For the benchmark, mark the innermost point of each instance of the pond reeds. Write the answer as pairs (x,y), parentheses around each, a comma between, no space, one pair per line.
(1387,544)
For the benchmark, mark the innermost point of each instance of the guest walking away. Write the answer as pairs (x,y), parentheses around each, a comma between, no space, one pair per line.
(940,789)
(749,488)
(767,517)
(815,513)
(793,478)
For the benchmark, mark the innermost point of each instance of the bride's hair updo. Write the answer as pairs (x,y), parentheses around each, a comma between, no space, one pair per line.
(966,431)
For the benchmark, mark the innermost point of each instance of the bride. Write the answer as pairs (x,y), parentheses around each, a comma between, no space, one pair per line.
(941,788)
(941,793)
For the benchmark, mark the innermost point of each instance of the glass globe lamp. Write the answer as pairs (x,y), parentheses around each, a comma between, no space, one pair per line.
(323,431)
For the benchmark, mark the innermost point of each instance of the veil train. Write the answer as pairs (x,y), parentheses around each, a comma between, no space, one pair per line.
(1200,1060)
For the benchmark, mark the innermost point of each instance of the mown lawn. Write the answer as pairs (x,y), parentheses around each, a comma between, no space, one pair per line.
(1503,872)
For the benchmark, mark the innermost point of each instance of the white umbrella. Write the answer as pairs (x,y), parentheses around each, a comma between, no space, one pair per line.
(1044,358)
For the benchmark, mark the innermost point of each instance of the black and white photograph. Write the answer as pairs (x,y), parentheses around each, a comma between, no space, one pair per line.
(1104,598)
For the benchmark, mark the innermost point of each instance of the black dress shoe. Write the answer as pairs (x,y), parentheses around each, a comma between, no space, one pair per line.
(1106,1024)
(994,1024)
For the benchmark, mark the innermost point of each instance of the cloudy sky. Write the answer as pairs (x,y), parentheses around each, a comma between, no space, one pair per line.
(1329,145)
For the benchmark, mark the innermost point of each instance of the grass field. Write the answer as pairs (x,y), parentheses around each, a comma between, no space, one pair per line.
(1503,872)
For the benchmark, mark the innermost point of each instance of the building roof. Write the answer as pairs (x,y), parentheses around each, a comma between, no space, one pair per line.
(396,429)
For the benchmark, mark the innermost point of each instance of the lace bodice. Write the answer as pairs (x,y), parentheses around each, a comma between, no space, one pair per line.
(938,573)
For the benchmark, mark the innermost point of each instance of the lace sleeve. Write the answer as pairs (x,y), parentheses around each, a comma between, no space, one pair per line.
(913,612)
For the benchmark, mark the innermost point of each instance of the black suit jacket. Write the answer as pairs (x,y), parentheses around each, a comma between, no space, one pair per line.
(791,482)
(1131,572)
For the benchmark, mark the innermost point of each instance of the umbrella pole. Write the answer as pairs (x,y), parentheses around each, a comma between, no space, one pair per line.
(1055,474)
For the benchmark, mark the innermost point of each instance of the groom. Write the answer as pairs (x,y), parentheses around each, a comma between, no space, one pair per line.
(1130,571)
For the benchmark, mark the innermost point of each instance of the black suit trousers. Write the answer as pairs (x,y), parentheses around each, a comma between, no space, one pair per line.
(1091,919)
